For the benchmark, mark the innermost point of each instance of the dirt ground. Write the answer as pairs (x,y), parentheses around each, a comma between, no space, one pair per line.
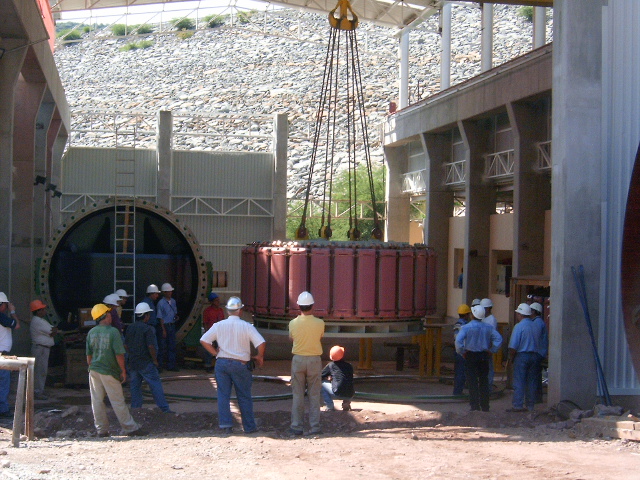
(433,438)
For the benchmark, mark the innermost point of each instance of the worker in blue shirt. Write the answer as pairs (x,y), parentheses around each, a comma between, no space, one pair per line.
(523,353)
(543,345)
(476,342)
(459,378)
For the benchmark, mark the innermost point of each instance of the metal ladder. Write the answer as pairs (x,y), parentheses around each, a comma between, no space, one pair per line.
(124,241)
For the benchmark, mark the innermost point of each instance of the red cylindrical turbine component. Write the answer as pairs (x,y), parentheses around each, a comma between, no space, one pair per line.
(279,280)
(420,283)
(263,272)
(405,282)
(343,282)
(387,283)
(366,283)
(431,280)
(320,280)
(298,275)
(247,287)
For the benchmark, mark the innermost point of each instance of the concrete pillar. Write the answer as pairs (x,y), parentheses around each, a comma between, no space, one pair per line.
(439,209)
(531,190)
(539,27)
(486,61)
(165,158)
(445,60)
(28,98)
(404,68)
(398,204)
(10,66)
(481,204)
(576,195)
(56,141)
(280,141)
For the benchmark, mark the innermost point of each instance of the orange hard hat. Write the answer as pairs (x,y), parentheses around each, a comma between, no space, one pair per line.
(36,305)
(336,353)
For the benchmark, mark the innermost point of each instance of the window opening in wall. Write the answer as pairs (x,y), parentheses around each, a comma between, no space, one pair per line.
(504,201)
(459,206)
(458,267)
(418,209)
(501,264)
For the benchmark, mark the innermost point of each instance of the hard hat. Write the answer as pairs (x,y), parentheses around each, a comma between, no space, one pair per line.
(121,293)
(153,288)
(166,287)
(478,312)
(305,299)
(3,298)
(212,296)
(111,299)
(476,301)
(536,306)
(234,303)
(36,305)
(463,309)
(336,353)
(99,310)
(524,309)
(486,303)
(142,308)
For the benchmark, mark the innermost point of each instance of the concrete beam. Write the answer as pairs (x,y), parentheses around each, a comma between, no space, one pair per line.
(165,158)
(281,136)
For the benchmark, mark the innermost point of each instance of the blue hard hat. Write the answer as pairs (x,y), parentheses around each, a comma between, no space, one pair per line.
(212,296)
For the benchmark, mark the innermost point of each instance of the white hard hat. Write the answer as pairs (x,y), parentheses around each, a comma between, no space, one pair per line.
(142,308)
(166,287)
(121,293)
(111,299)
(524,309)
(234,303)
(305,299)
(153,288)
(476,301)
(537,307)
(486,302)
(478,312)
(3,298)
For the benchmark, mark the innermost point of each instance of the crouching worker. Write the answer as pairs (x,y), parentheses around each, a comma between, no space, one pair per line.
(142,364)
(337,380)
(105,356)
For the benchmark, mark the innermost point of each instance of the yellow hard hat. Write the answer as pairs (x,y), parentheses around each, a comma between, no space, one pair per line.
(463,309)
(99,310)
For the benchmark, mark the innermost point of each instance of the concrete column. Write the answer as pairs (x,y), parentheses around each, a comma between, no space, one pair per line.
(439,209)
(40,213)
(486,62)
(481,204)
(576,195)
(531,190)
(445,60)
(10,66)
(398,204)
(56,141)
(280,141)
(539,26)
(404,68)
(165,158)
(28,98)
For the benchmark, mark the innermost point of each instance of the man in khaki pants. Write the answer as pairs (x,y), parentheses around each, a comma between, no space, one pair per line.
(306,331)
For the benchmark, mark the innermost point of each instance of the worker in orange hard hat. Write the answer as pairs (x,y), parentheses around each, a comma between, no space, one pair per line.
(42,333)
(337,380)
(459,378)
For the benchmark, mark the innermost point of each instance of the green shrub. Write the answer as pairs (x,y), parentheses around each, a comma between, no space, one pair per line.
(136,45)
(184,34)
(245,17)
(526,12)
(183,24)
(144,28)
(86,29)
(119,29)
(214,21)
(69,35)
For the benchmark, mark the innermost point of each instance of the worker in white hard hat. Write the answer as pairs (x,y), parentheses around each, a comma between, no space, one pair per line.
(476,342)
(8,322)
(489,319)
(543,344)
(306,331)
(234,365)
(167,313)
(124,297)
(142,361)
(523,355)
(107,373)
(112,301)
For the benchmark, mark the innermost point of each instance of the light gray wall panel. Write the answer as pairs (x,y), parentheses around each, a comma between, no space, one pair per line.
(222,174)
(621,100)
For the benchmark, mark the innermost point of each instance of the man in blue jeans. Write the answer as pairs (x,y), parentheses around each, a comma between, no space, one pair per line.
(8,322)
(523,353)
(167,313)
(142,362)
(233,367)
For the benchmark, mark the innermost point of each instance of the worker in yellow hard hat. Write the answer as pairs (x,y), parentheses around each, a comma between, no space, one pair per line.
(459,377)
